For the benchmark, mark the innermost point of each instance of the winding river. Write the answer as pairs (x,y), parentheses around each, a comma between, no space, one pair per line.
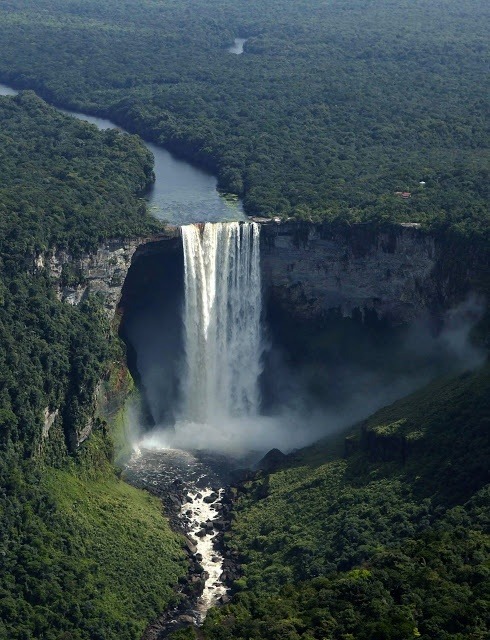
(182,193)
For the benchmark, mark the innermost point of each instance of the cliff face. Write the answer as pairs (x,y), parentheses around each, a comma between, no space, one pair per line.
(396,273)
(309,270)
(102,272)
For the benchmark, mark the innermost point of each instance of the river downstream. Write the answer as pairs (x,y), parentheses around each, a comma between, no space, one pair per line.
(190,484)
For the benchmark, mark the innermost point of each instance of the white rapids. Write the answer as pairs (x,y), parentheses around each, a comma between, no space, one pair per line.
(199,513)
(194,479)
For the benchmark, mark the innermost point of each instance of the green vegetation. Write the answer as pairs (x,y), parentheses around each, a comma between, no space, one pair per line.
(333,107)
(65,183)
(83,556)
(372,545)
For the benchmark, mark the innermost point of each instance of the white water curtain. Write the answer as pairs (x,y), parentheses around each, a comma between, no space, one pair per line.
(222,321)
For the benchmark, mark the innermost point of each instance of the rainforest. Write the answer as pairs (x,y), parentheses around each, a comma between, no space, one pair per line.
(244,283)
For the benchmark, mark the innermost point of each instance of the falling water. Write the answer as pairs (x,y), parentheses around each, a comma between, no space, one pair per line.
(221,321)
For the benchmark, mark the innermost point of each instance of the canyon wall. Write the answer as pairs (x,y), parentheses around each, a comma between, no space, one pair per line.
(102,272)
(307,269)
(310,270)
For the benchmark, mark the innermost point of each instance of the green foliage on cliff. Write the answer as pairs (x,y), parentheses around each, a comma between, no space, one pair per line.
(82,555)
(384,543)
(333,107)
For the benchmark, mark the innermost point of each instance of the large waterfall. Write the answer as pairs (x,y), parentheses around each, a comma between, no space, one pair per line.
(222,328)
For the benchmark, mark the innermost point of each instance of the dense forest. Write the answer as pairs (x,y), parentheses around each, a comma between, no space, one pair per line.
(332,110)
(67,524)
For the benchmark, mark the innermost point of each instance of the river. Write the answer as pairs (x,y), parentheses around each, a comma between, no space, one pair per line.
(182,193)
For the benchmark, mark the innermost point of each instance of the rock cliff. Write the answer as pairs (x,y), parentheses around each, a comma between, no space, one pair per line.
(102,272)
(309,270)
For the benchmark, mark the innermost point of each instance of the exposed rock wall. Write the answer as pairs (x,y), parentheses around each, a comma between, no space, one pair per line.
(102,272)
(310,270)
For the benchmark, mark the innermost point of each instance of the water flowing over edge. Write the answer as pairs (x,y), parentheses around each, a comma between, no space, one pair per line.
(222,321)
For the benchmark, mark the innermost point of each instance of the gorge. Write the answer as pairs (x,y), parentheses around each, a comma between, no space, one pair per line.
(339,320)
(188,302)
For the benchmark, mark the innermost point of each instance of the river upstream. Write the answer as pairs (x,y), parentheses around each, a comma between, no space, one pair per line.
(182,193)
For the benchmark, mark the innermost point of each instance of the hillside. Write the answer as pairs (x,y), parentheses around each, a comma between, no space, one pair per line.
(370,545)
(82,554)
(332,110)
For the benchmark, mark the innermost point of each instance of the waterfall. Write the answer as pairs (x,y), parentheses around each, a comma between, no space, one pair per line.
(222,329)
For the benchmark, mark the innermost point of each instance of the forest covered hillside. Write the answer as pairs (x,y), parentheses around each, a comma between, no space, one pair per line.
(68,524)
(333,110)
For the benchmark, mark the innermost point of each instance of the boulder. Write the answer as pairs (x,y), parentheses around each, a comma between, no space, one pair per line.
(272,460)
(190,546)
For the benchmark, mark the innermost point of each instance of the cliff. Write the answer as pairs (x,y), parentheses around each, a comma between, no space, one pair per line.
(103,272)
(308,270)
(311,269)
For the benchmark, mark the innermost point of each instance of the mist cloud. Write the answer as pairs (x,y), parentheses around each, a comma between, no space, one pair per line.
(296,421)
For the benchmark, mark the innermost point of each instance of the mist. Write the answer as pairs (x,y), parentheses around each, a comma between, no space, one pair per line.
(294,415)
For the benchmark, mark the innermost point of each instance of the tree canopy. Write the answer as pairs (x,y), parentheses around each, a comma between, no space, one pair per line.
(333,111)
